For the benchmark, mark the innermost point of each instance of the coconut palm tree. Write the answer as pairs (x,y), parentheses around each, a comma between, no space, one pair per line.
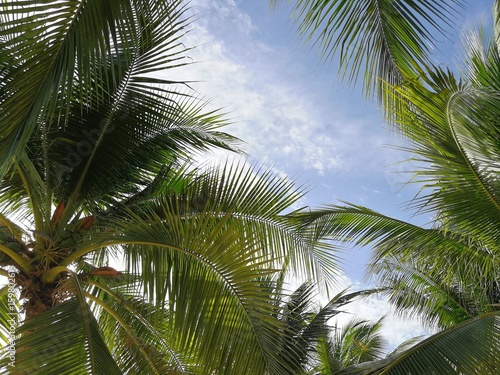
(120,257)
(356,342)
(316,346)
(446,272)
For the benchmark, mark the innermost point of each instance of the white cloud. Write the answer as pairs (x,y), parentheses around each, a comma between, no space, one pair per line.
(281,115)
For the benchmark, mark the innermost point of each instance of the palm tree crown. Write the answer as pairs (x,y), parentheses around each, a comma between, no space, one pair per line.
(93,167)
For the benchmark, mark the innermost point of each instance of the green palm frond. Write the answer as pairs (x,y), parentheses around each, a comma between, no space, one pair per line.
(46,47)
(480,58)
(137,148)
(212,277)
(453,133)
(383,39)
(108,108)
(118,115)
(470,347)
(25,194)
(65,340)
(202,250)
(135,331)
(428,291)
(363,226)
(463,262)
(221,205)
(303,325)
(251,200)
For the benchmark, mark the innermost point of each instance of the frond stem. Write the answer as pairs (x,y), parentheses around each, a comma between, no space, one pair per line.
(125,326)
(485,188)
(23,263)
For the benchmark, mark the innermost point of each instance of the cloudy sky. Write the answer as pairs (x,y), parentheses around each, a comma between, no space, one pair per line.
(294,115)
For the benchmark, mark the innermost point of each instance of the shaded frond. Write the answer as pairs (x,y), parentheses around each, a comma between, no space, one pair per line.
(469,348)
(66,340)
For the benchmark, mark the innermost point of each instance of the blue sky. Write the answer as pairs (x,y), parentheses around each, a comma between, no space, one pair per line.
(296,116)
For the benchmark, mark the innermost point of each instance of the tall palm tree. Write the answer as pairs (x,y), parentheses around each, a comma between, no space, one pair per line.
(448,271)
(93,153)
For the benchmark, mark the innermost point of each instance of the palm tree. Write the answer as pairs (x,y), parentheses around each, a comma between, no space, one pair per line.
(447,272)
(93,172)
(310,344)
(356,342)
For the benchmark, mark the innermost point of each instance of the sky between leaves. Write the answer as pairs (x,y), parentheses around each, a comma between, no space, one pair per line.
(293,114)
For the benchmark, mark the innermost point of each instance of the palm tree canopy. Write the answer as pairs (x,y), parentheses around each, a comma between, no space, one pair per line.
(93,169)
(446,272)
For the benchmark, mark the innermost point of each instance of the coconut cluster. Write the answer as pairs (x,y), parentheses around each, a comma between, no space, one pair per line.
(6,239)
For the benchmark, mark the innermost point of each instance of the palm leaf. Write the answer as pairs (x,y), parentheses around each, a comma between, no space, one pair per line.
(115,113)
(210,274)
(205,248)
(463,261)
(383,39)
(431,293)
(470,347)
(135,331)
(250,200)
(452,130)
(66,340)
(45,45)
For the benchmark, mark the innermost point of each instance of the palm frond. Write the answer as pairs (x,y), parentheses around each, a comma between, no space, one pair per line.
(467,348)
(429,291)
(135,331)
(65,340)
(252,201)
(46,46)
(452,129)
(383,39)
(208,274)
(480,58)
(205,247)
(105,105)
(141,143)
(397,244)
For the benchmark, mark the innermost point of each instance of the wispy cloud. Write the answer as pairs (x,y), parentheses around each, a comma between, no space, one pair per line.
(280,113)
